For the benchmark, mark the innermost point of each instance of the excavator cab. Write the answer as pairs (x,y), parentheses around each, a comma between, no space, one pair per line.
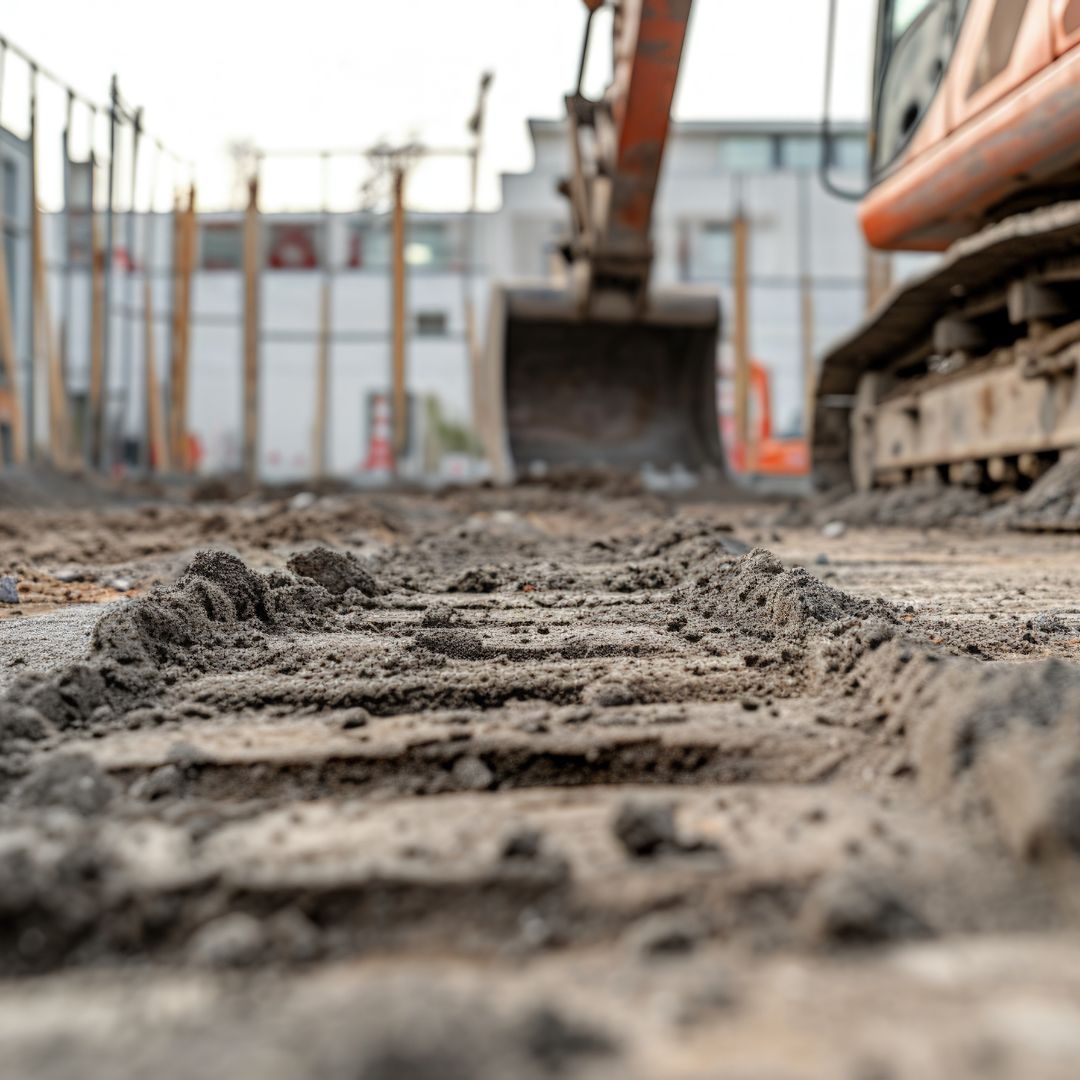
(601,369)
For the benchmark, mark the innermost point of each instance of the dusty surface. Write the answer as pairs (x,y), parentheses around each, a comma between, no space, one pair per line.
(538,783)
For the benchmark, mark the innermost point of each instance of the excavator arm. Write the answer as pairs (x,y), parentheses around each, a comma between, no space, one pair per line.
(599,368)
(617,147)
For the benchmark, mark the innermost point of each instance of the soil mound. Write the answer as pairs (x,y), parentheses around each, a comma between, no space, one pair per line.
(757,595)
(1052,503)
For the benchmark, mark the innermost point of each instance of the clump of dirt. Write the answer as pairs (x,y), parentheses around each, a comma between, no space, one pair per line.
(646,829)
(979,735)
(480,579)
(335,571)
(209,620)
(921,506)
(757,597)
(72,781)
(858,909)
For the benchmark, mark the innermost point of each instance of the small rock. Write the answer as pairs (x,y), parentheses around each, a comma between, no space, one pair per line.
(821,560)
(667,934)
(120,584)
(439,617)
(73,781)
(523,843)
(558,1045)
(471,774)
(646,829)
(22,722)
(355,718)
(163,783)
(480,579)
(303,500)
(834,530)
(295,936)
(609,693)
(9,590)
(70,575)
(1046,622)
(186,755)
(234,940)
(852,910)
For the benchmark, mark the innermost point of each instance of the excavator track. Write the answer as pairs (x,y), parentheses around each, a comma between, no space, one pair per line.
(967,372)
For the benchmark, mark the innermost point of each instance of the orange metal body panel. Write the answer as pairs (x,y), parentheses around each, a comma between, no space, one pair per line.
(975,150)
(771,455)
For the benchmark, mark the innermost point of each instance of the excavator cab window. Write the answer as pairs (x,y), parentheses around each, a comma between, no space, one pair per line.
(915,44)
(903,15)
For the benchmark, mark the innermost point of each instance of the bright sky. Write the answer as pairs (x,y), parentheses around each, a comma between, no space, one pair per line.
(353,72)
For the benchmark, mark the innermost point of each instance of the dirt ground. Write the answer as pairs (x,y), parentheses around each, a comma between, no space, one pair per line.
(537,783)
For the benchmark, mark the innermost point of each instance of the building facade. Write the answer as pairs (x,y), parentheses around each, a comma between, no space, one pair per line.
(801,239)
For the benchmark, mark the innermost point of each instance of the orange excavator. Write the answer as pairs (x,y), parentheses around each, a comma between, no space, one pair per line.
(966,373)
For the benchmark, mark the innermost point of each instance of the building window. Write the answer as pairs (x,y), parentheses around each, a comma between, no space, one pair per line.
(429,245)
(80,204)
(849,153)
(295,246)
(709,254)
(801,152)
(997,47)
(222,246)
(431,324)
(747,153)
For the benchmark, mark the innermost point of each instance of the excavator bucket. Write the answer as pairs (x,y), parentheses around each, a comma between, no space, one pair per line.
(557,389)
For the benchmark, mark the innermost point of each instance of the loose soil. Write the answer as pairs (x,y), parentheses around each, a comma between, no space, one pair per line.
(532,783)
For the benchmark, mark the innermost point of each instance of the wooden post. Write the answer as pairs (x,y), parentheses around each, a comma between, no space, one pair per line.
(103,435)
(95,422)
(251,334)
(322,382)
(45,343)
(183,257)
(48,350)
(400,397)
(319,433)
(159,445)
(741,336)
(8,361)
(806,297)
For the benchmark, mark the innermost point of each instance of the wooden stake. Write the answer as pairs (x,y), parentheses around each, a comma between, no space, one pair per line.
(322,381)
(809,358)
(401,422)
(806,297)
(183,255)
(95,405)
(741,337)
(159,444)
(45,337)
(251,334)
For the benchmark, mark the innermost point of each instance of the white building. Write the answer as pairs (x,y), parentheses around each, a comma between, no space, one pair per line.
(710,166)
